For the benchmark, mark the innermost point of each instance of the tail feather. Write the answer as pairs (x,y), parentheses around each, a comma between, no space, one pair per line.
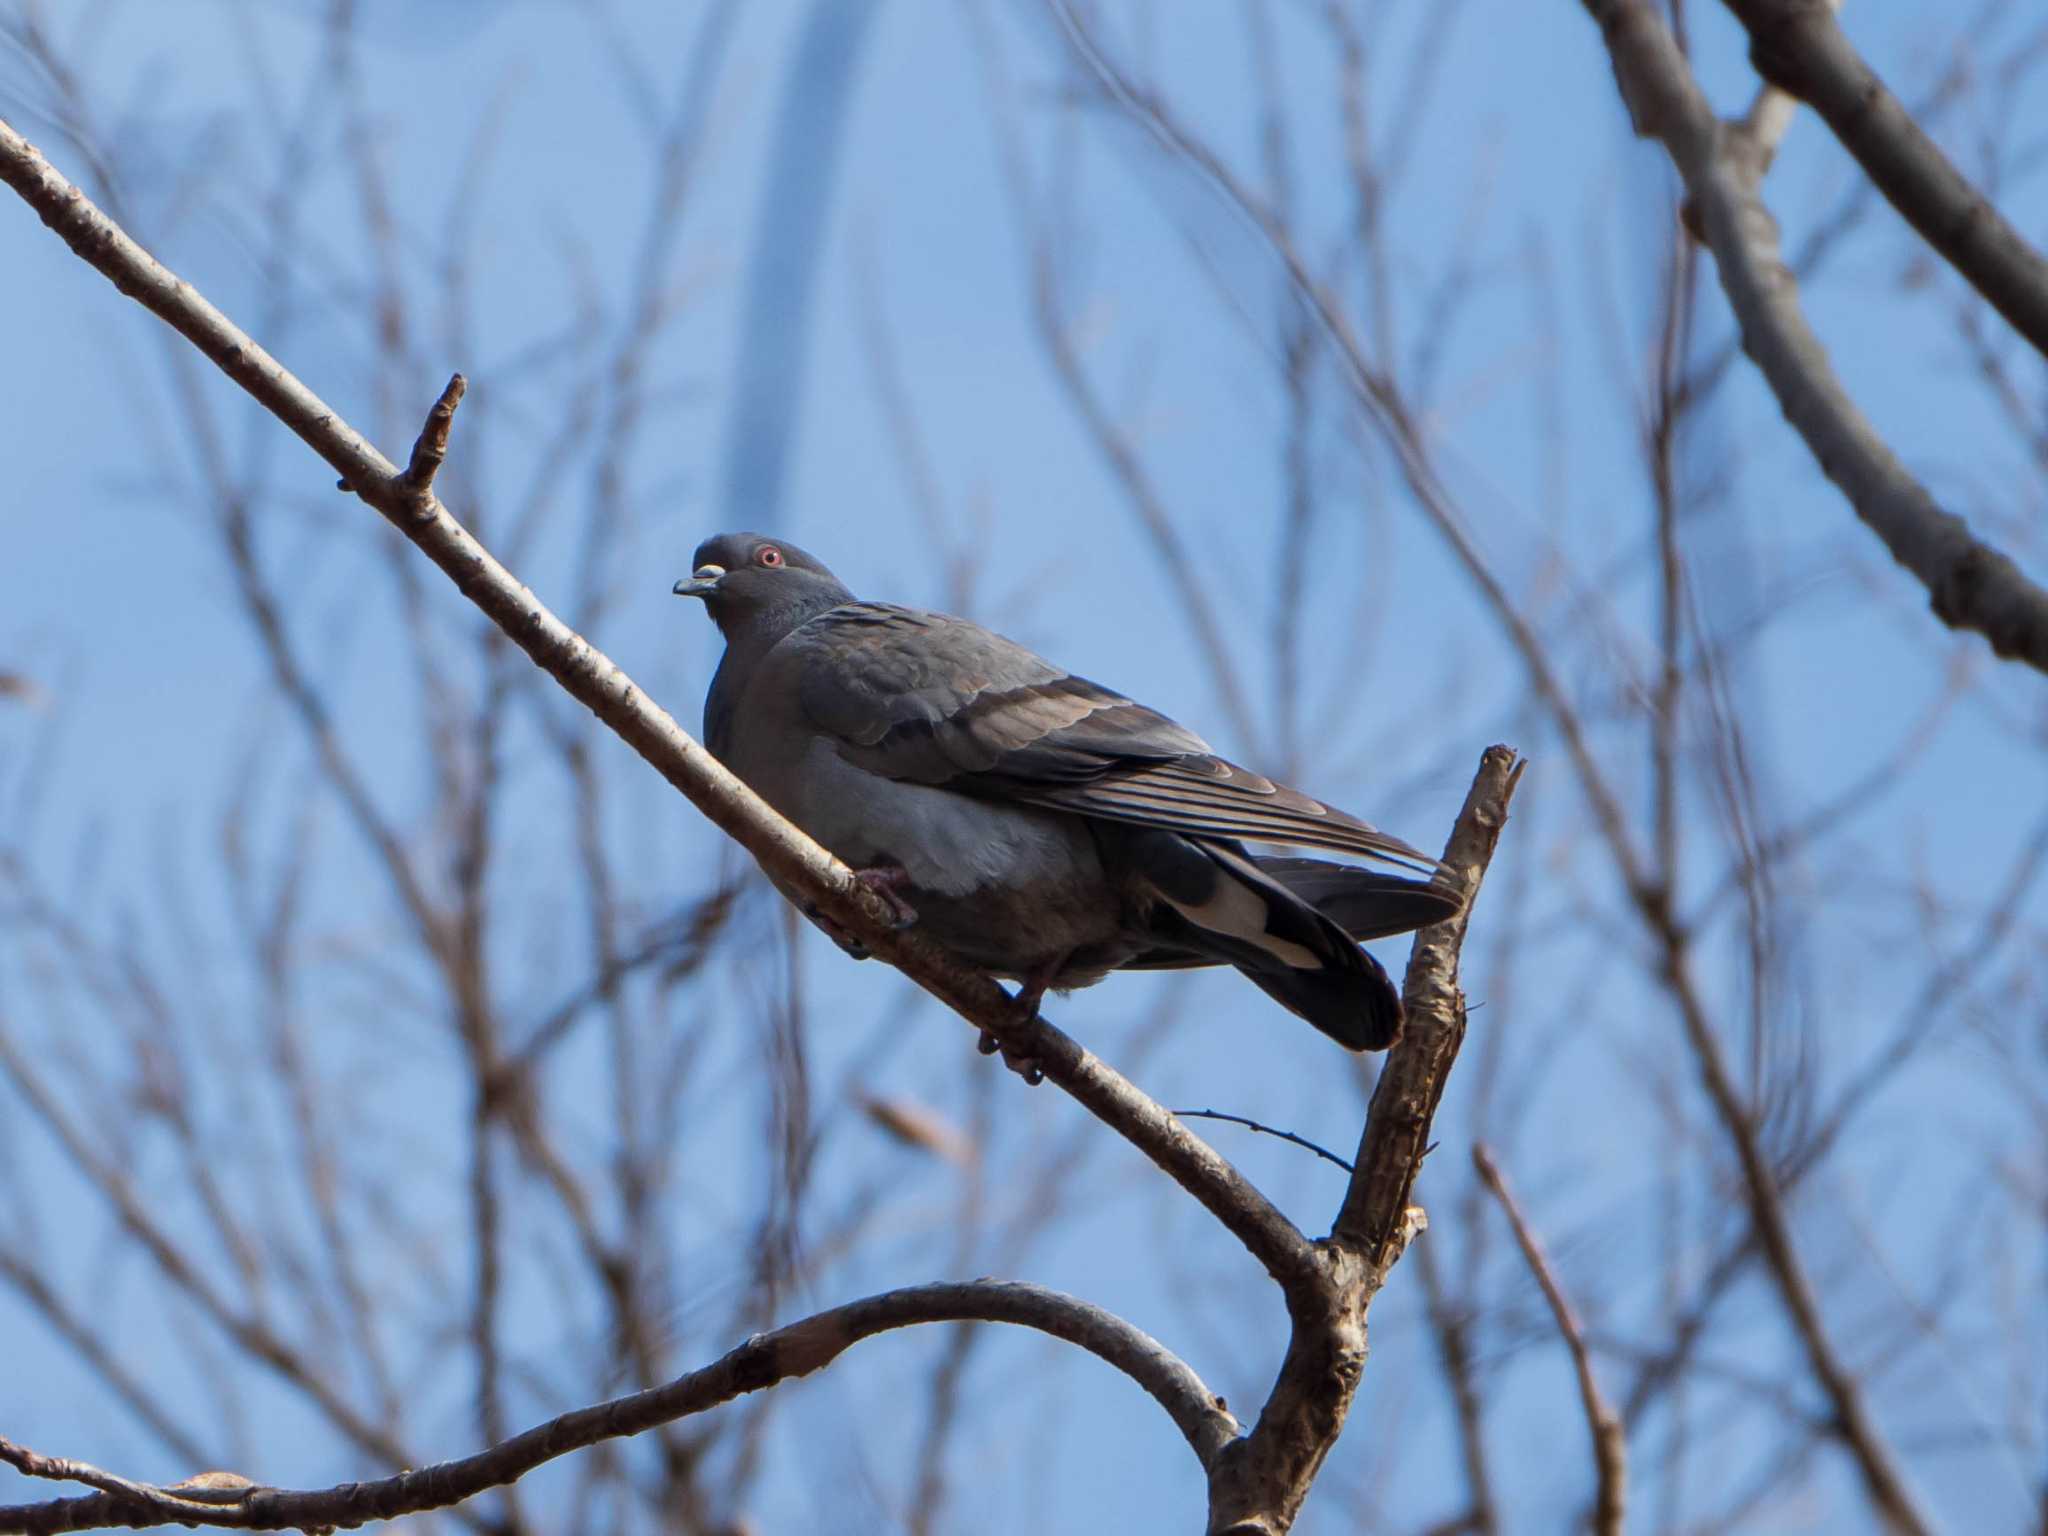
(1360,1010)
(1365,903)
(1231,909)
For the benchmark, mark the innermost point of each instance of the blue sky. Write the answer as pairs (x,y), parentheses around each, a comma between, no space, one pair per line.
(114,596)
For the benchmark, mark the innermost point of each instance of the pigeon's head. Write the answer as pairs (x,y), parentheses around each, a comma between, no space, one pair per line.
(749,579)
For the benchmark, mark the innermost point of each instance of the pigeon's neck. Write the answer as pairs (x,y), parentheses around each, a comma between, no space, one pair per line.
(758,629)
(746,642)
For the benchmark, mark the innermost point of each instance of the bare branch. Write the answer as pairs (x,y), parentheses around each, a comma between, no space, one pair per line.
(1800,48)
(761,1362)
(1972,585)
(1374,1219)
(1610,1440)
(1257,1486)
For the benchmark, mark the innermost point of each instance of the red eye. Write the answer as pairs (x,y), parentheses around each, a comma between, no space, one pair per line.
(768,554)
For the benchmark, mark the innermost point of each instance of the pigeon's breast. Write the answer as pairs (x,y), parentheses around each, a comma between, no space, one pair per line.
(1008,888)
(949,843)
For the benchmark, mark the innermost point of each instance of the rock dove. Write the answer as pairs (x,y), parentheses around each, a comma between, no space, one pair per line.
(1037,825)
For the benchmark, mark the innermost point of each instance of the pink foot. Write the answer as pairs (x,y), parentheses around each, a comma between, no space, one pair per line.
(887,881)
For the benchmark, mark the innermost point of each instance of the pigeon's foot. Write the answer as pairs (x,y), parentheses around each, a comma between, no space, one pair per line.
(1027,1067)
(887,881)
(1030,993)
(837,934)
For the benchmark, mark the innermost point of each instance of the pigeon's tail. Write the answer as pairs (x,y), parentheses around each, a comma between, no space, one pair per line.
(1291,926)
(1365,903)
(1359,1009)
(1217,905)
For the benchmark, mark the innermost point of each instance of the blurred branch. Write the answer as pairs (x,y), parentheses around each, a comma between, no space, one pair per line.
(223,1499)
(1451,1320)
(1972,585)
(19,688)
(1801,49)
(1385,407)
(1610,1440)
(179,1266)
(78,1331)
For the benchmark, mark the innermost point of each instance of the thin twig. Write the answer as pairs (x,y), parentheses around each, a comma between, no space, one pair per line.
(1374,1218)
(1300,1141)
(430,448)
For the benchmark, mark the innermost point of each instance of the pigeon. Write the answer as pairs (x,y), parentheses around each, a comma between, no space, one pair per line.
(1038,826)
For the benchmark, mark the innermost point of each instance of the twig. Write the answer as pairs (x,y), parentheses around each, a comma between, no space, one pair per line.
(431,446)
(1300,1141)
(1610,1441)
(761,1362)
(1452,1322)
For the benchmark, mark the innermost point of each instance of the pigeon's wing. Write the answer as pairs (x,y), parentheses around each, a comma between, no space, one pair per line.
(938,700)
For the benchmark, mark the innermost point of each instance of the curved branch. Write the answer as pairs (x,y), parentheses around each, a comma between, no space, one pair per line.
(1801,49)
(763,1361)
(590,676)
(1971,584)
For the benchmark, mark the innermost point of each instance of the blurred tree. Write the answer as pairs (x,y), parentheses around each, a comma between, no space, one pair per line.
(387,1066)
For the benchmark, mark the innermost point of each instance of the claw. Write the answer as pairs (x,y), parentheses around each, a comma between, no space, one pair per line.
(1026,1067)
(887,881)
(838,935)
(1030,993)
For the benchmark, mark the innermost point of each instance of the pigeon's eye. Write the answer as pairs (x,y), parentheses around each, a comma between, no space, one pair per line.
(768,554)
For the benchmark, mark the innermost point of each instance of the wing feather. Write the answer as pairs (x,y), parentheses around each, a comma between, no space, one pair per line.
(937,700)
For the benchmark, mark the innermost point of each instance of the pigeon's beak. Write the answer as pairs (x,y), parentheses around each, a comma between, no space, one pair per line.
(701,582)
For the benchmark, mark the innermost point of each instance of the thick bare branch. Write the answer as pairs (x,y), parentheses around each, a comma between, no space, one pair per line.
(1800,47)
(1971,585)
(1258,1485)
(596,681)
(1374,1218)
(761,1362)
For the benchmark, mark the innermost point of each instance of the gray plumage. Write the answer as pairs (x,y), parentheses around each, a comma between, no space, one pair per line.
(1037,825)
